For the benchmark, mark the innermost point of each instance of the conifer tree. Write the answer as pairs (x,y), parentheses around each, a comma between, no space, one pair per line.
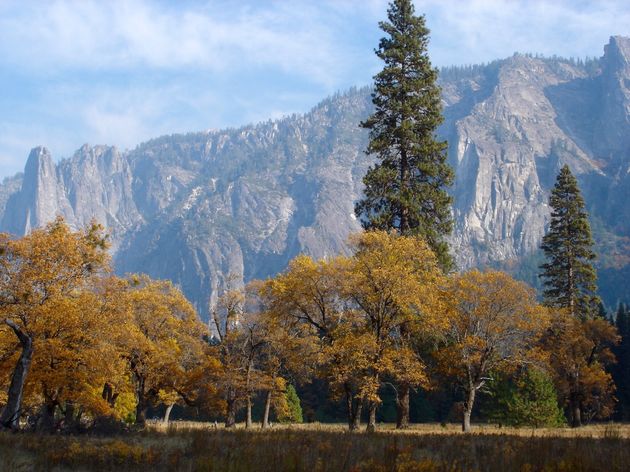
(406,189)
(294,413)
(569,275)
(621,371)
(527,399)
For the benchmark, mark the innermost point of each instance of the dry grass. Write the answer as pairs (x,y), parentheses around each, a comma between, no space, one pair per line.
(603,430)
(185,446)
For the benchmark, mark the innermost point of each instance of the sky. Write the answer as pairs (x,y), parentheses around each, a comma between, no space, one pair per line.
(121,72)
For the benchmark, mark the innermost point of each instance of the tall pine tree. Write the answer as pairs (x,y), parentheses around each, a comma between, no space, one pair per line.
(569,277)
(406,189)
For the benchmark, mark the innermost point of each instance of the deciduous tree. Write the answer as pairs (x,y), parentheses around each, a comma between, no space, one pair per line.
(41,275)
(494,323)
(393,283)
(165,340)
(580,350)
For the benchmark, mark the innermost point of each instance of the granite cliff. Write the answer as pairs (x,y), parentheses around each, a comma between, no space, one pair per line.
(202,207)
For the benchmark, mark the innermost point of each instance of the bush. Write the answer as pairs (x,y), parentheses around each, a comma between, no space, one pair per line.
(294,410)
(529,399)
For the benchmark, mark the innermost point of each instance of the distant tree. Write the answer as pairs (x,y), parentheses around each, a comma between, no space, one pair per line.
(350,312)
(527,399)
(494,322)
(306,300)
(621,371)
(406,189)
(241,335)
(164,343)
(569,277)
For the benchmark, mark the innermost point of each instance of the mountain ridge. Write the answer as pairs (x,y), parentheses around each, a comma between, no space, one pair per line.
(239,203)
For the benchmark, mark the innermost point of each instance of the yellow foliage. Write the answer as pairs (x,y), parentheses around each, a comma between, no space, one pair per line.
(578,351)
(493,323)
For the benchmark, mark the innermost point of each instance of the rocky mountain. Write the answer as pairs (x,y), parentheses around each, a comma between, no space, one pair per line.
(240,203)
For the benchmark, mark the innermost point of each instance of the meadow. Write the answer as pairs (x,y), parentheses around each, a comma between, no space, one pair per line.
(190,446)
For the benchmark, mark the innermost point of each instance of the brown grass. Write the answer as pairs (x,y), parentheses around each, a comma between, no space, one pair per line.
(602,430)
(199,446)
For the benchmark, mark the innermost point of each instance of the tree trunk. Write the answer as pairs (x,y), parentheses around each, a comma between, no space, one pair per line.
(356,420)
(10,417)
(353,408)
(47,420)
(265,420)
(468,406)
(576,413)
(108,394)
(570,289)
(349,409)
(167,413)
(68,416)
(141,407)
(248,417)
(371,426)
(402,407)
(141,412)
(404,177)
(230,417)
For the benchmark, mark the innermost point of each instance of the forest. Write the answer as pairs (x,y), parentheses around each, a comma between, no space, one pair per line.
(87,349)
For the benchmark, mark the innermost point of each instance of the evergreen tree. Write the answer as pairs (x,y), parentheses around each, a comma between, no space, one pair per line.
(294,410)
(569,275)
(406,189)
(621,371)
(530,399)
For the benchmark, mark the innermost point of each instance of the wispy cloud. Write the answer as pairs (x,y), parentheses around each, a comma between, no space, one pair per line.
(122,71)
(482,30)
(127,35)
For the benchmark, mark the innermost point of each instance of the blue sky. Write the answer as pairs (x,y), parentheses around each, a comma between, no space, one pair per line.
(120,72)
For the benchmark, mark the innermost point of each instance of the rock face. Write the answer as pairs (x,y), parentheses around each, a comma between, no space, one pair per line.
(202,207)
(94,184)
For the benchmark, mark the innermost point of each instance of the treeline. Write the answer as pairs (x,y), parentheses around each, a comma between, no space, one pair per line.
(80,348)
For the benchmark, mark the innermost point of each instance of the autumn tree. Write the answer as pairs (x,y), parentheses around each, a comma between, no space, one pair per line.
(569,275)
(41,276)
(392,284)
(406,189)
(579,352)
(494,323)
(306,301)
(164,342)
(242,333)
(284,352)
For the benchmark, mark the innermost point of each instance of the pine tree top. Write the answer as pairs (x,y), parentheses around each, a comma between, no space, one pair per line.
(406,189)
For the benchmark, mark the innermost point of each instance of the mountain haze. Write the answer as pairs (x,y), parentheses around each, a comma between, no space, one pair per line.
(240,203)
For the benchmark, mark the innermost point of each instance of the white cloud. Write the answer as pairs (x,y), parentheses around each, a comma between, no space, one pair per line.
(483,30)
(119,72)
(117,35)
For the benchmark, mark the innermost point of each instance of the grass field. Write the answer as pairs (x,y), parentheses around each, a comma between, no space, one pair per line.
(200,446)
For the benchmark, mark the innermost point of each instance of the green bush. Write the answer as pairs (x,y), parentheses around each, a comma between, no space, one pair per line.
(294,410)
(529,399)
